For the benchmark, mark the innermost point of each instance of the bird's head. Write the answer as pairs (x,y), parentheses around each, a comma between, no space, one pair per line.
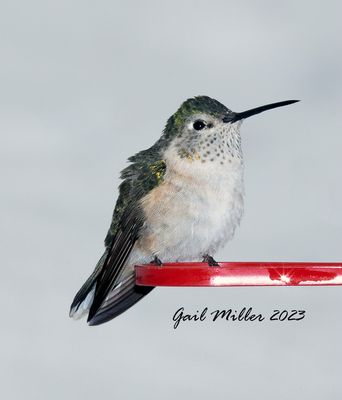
(205,130)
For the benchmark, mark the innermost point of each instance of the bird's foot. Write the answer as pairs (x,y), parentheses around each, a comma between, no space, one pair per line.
(156,261)
(210,260)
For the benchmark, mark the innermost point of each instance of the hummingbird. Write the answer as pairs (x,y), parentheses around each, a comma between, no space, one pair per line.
(179,200)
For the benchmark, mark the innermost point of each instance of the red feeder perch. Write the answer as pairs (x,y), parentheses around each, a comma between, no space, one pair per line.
(240,274)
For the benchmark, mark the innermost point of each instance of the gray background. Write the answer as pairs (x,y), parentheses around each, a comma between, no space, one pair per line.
(86,84)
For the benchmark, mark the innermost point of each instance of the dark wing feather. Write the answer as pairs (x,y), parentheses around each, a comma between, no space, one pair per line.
(145,172)
(139,178)
(122,244)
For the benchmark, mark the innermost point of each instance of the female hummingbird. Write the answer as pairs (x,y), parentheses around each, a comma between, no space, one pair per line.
(180,200)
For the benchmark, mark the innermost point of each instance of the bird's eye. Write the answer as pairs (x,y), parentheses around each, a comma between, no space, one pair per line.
(199,125)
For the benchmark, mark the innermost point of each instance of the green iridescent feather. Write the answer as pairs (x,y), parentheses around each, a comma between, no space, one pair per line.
(139,179)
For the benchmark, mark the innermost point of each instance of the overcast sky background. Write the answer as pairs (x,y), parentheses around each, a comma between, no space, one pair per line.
(84,85)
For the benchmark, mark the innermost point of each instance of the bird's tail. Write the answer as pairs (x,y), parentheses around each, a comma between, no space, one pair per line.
(123,296)
(84,297)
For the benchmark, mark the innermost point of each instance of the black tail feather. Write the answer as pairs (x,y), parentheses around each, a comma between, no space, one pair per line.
(120,299)
(87,286)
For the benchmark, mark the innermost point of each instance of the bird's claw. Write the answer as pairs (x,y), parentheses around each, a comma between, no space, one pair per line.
(156,261)
(210,260)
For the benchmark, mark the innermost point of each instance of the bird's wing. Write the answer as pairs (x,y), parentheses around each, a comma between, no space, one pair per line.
(125,228)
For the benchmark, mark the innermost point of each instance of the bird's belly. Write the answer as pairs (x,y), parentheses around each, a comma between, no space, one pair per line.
(185,220)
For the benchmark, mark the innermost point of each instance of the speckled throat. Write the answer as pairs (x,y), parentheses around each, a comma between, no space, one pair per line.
(221,145)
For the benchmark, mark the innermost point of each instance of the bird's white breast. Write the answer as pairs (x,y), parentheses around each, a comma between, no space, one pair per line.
(195,210)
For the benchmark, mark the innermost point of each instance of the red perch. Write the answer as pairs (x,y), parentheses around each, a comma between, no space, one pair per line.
(240,274)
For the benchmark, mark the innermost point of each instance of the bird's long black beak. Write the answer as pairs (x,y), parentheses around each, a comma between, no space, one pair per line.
(245,114)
